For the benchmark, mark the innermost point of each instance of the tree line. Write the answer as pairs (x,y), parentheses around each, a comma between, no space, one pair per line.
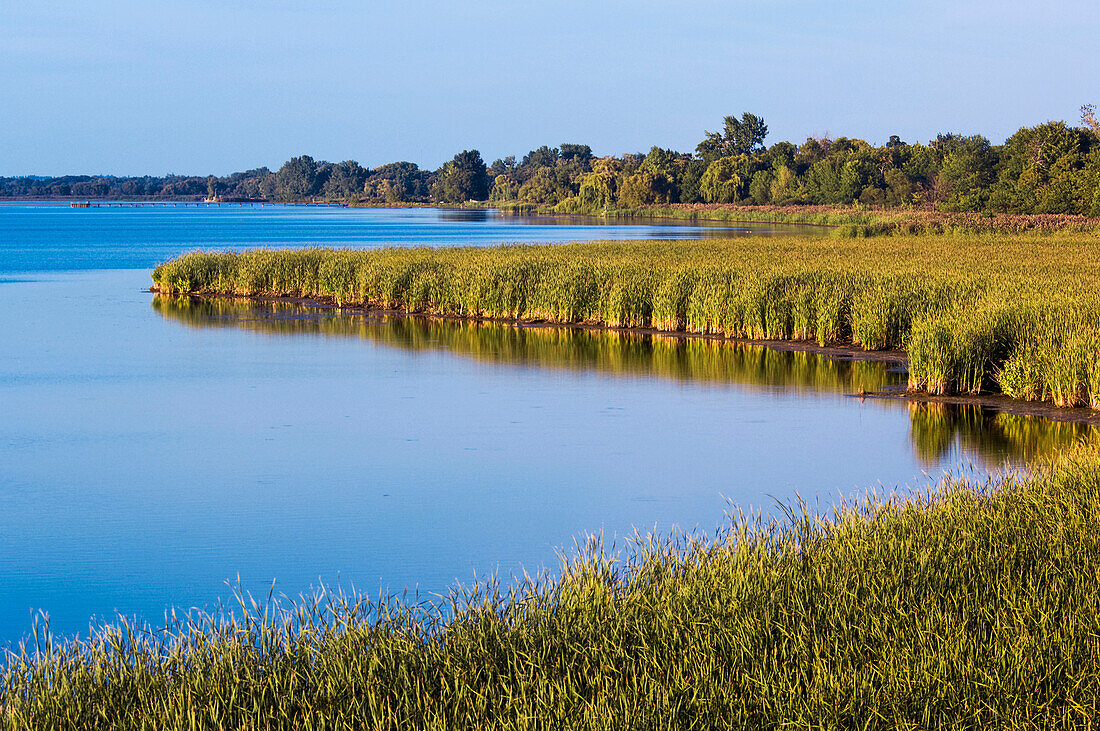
(1049,168)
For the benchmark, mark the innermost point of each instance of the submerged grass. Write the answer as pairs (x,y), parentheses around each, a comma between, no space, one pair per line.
(977,313)
(974,606)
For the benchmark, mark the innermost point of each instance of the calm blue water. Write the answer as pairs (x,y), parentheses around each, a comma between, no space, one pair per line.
(152,450)
(55,237)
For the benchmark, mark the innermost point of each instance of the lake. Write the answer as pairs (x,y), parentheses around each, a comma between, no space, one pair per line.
(158,451)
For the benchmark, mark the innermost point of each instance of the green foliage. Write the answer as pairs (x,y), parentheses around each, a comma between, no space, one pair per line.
(760,187)
(966,172)
(543,157)
(504,190)
(345,180)
(296,179)
(1045,170)
(465,178)
(396,182)
(723,181)
(597,191)
(645,188)
(571,152)
(691,182)
(740,137)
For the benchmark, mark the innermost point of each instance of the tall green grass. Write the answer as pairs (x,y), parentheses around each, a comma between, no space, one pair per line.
(1018,314)
(974,606)
(843,221)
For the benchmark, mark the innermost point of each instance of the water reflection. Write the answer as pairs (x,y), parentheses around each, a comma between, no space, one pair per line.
(470,214)
(936,429)
(939,428)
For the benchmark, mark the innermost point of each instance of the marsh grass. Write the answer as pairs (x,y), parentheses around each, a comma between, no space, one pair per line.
(975,605)
(841,221)
(979,313)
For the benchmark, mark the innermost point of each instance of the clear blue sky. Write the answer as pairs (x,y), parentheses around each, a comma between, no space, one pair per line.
(205,86)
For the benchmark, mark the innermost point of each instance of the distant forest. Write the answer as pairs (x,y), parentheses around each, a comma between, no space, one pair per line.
(1050,168)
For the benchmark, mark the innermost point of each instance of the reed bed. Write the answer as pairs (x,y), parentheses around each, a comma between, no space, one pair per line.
(972,606)
(846,221)
(1018,314)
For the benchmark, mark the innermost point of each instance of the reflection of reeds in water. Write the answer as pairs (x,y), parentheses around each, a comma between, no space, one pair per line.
(989,435)
(935,428)
(1016,314)
(615,352)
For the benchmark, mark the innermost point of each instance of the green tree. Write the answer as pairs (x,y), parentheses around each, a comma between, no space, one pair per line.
(345,180)
(397,182)
(690,181)
(597,191)
(724,181)
(1043,170)
(504,166)
(296,179)
(812,151)
(899,188)
(967,170)
(785,186)
(781,154)
(463,179)
(760,187)
(821,184)
(743,137)
(668,166)
(504,189)
(645,188)
(533,161)
(549,185)
(575,152)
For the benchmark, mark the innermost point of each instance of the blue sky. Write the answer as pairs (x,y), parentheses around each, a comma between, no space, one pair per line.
(203,86)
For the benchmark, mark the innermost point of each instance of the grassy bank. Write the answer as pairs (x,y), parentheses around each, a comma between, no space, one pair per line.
(978,313)
(843,221)
(977,606)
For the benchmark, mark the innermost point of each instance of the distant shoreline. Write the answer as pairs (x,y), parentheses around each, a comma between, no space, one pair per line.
(841,221)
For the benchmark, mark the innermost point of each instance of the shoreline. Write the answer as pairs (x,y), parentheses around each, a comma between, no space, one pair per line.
(845,222)
(899,358)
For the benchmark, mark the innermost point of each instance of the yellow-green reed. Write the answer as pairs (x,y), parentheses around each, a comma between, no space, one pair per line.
(973,606)
(838,220)
(976,313)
